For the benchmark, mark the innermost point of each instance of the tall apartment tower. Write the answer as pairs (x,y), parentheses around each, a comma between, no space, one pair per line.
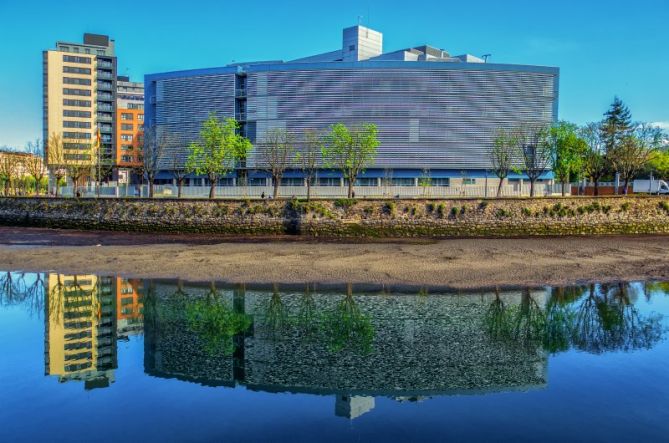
(129,128)
(80,98)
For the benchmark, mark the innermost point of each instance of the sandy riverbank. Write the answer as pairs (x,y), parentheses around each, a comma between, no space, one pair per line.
(458,263)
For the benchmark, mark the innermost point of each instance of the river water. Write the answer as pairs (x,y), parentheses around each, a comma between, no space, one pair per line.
(96,358)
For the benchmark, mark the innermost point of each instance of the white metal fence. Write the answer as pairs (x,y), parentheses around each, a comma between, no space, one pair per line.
(257,192)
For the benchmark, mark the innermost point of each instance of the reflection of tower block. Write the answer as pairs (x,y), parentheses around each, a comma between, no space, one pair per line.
(353,407)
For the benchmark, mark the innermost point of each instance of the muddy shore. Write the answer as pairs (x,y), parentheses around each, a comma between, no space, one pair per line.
(459,264)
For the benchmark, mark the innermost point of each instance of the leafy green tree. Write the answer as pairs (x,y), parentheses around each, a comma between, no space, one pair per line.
(659,164)
(307,157)
(351,150)
(504,155)
(568,152)
(217,151)
(629,157)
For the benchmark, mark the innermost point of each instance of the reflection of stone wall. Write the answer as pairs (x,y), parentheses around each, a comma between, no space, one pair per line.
(397,218)
(421,345)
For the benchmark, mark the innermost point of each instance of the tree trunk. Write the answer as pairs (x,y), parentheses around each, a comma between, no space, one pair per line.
(276,183)
(532,187)
(57,185)
(212,189)
(308,190)
(180,184)
(499,187)
(596,187)
(350,189)
(626,185)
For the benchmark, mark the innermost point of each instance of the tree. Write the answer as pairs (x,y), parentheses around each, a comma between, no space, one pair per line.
(568,152)
(178,171)
(629,157)
(34,163)
(101,167)
(277,153)
(504,154)
(659,164)
(56,159)
(351,150)
(595,164)
(79,166)
(617,125)
(535,152)
(9,169)
(217,151)
(153,144)
(307,157)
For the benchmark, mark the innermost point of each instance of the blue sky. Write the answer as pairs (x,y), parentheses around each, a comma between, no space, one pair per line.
(602,48)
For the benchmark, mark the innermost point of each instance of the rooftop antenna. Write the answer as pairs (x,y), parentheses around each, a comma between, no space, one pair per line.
(486,57)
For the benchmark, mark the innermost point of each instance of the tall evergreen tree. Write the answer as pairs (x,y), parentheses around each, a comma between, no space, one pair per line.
(616,126)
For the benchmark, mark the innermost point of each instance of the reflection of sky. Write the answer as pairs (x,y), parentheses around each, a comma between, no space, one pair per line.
(607,397)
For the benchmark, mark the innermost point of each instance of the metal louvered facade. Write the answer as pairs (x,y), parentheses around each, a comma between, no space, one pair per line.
(429,115)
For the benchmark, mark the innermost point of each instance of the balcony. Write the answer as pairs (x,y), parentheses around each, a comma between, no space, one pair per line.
(103,64)
(104,75)
(105,128)
(104,117)
(104,107)
(105,86)
(240,92)
(105,96)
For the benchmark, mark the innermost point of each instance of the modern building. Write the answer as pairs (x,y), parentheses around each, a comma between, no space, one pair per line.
(129,128)
(437,114)
(80,98)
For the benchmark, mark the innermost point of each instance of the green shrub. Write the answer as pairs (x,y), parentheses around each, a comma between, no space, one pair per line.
(430,207)
(625,207)
(454,212)
(413,211)
(389,208)
(463,210)
(527,212)
(606,209)
(664,206)
(483,205)
(580,210)
(501,213)
(441,210)
(345,203)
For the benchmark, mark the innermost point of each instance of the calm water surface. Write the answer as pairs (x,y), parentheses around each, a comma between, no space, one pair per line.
(96,358)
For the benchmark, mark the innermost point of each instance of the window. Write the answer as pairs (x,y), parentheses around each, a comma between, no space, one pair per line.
(328,181)
(292,182)
(75,70)
(76,124)
(126,126)
(77,81)
(87,50)
(82,92)
(140,117)
(126,137)
(402,182)
(364,182)
(126,158)
(79,135)
(257,182)
(468,181)
(126,147)
(126,116)
(80,114)
(445,182)
(76,59)
(78,103)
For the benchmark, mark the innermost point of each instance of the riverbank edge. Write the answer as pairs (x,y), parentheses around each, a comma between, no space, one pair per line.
(453,218)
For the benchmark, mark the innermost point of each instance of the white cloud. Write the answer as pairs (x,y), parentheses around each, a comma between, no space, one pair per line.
(663,125)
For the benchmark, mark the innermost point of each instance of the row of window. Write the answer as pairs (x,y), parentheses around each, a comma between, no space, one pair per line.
(77,135)
(127,116)
(78,103)
(81,92)
(79,146)
(77,157)
(76,70)
(76,124)
(76,59)
(77,81)
(79,114)
(86,50)
(126,137)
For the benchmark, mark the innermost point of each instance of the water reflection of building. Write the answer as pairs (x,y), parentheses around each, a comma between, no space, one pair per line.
(129,303)
(421,347)
(80,330)
(85,315)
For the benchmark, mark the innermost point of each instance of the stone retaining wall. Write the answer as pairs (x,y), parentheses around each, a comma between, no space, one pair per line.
(346,218)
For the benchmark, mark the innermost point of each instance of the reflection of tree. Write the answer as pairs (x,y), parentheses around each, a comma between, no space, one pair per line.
(23,289)
(604,319)
(276,315)
(346,327)
(307,316)
(215,322)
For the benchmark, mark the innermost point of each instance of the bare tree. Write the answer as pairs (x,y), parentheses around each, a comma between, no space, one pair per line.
(55,159)
(535,152)
(154,143)
(629,157)
(595,165)
(307,158)
(504,153)
(34,163)
(277,154)
(10,163)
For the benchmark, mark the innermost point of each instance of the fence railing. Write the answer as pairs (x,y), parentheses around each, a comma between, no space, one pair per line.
(259,192)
